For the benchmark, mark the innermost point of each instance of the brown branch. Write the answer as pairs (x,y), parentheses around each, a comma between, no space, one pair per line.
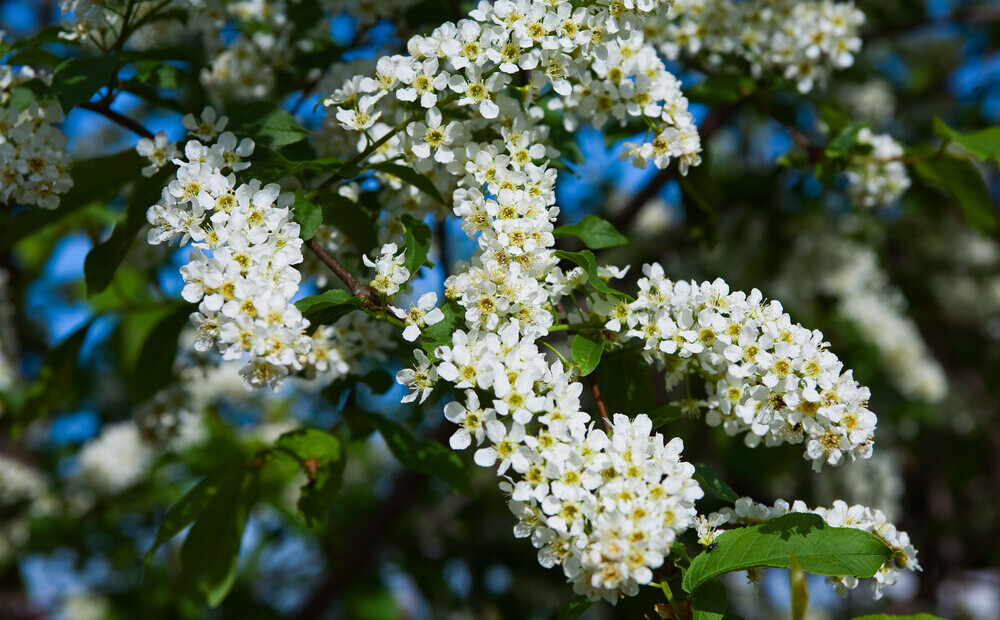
(355,287)
(119,119)
(601,407)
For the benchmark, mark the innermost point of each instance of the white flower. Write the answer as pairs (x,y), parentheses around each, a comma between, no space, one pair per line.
(420,315)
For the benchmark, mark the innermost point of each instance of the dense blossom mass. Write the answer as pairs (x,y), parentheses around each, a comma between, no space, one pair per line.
(33,165)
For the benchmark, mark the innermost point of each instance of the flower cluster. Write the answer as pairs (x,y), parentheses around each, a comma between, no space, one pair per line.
(748,512)
(33,167)
(766,377)
(390,273)
(241,271)
(803,41)
(849,271)
(116,459)
(878,178)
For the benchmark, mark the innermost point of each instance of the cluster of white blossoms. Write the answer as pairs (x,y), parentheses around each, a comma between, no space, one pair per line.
(878,178)
(33,166)
(390,273)
(849,271)
(766,377)
(803,41)
(116,459)
(858,517)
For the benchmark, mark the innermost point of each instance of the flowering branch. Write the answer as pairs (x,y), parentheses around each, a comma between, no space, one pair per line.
(120,119)
(353,285)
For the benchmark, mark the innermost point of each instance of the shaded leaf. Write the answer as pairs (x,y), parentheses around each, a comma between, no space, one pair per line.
(418,238)
(321,457)
(427,457)
(266,123)
(154,368)
(574,608)
(76,80)
(820,549)
(984,144)
(960,179)
(709,601)
(586,353)
(411,177)
(328,307)
(55,378)
(184,512)
(352,220)
(597,233)
(586,260)
(661,416)
(710,481)
(625,386)
(308,214)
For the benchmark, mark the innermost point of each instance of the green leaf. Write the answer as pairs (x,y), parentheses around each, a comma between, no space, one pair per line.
(625,386)
(352,220)
(586,353)
(586,260)
(308,214)
(418,238)
(412,177)
(960,179)
(846,140)
(185,511)
(427,457)
(267,124)
(327,307)
(55,378)
(820,549)
(593,231)
(103,259)
(661,416)
(711,482)
(835,118)
(154,369)
(574,608)
(269,165)
(888,617)
(984,144)
(76,80)
(321,457)
(212,547)
(439,334)
(709,601)
(721,88)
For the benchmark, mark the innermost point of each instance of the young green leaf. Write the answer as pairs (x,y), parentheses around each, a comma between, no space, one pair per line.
(821,549)
(711,482)
(984,144)
(154,368)
(212,546)
(960,179)
(586,353)
(417,238)
(586,260)
(321,457)
(184,512)
(709,601)
(267,124)
(411,177)
(308,214)
(427,457)
(595,232)
(76,80)
(328,307)
(574,608)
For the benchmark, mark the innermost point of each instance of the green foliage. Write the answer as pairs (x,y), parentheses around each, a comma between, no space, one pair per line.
(328,307)
(55,379)
(625,385)
(427,457)
(663,415)
(984,144)
(574,608)
(586,260)
(417,239)
(154,367)
(711,482)
(960,179)
(439,334)
(586,353)
(188,508)
(721,88)
(411,177)
(267,124)
(76,80)
(819,548)
(308,214)
(320,455)
(351,219)
(595,232)
(709,601)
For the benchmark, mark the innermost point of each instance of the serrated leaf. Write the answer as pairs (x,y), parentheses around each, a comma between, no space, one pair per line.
(328,307)
(984,144)
(308,215)
(352,220)
(76,80)
(417,239)
(411,177)
(267,124)
(595,232)
(439,334)
(104,258)
(184,512)
(586,260)
(960,179)
(321,457)
(427,457)
(625,386)
(586,353)
(820,548)
(154,368)
(574,608)
(709,601)
(212,547)
(711,482)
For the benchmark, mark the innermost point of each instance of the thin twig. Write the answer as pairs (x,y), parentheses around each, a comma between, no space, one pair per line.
(118,118)
(353,285)
(601,408)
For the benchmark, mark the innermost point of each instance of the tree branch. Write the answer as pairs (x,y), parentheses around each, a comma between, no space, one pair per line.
(117,118)
(353,285)
(601,407)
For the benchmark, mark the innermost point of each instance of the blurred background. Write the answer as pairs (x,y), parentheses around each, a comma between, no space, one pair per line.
(908,297)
